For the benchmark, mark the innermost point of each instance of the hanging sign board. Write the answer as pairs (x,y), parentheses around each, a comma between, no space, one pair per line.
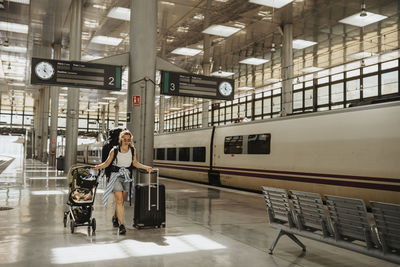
(184,84)
(75,74)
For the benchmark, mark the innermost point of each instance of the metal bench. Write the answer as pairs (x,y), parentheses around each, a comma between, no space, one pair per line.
(309,212)
(347,225)
(387,219)
(280,215)
(349,220)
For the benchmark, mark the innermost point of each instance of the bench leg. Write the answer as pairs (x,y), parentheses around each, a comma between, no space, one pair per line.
(291,236)
(296,240)
(280,233)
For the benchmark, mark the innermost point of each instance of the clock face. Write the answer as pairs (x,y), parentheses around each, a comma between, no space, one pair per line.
(225,89)
(44,70)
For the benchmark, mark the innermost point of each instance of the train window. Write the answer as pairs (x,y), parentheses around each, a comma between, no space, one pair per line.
(184,154)
(171,153)
(154,153)
(233,144)
(161,153)
(199,154)
(259,144)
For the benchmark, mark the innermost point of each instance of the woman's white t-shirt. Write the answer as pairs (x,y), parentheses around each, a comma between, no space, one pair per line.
(124,160)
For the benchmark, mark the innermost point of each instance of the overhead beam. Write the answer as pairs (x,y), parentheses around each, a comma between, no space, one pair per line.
(123,59)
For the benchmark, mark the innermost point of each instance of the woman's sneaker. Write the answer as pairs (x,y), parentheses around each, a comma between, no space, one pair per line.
(115,222)
(122,229)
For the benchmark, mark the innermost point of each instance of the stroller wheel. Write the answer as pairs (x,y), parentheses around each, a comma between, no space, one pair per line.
(72,226)
(65,219)
(93,225)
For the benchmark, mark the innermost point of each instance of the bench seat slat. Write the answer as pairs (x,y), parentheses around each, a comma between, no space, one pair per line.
(390,229)
(350,220)
(388,221)
(388,213)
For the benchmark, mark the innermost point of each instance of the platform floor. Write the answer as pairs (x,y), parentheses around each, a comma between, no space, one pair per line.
(205,227)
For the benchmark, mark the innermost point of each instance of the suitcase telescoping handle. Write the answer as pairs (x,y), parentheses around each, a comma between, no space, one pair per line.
(158,188)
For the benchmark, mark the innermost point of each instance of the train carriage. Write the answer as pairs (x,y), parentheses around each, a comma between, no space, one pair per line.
(187,152)
(352,152)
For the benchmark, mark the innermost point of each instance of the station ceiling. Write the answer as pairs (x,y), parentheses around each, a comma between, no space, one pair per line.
(43,23)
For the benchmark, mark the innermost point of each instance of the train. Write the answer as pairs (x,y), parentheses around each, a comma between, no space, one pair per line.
(352,152)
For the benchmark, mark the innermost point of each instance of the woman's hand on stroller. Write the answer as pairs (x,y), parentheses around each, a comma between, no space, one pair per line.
(95,168)
(149,169)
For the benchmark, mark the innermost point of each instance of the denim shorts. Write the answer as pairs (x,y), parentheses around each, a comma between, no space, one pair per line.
(120,185)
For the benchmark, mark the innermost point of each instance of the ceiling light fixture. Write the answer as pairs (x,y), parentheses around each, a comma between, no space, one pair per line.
(221,30)
(100,6)
(362,18)
(101,39)
(273,80)
(222,73)
(186,51)
(254,61)
(271,3)
(311,69)
(363,10)
(199,16)
(121,13)
(273,49)
(361,55)
(182,29)
(91,23)
(301,44)
(167,3)
(109,98)
(13,49)
(17,84)
(25,2)
(13,27)
(118,93)
(245,88)
(239,25)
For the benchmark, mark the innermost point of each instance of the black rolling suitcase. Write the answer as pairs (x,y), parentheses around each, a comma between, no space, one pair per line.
(149,204)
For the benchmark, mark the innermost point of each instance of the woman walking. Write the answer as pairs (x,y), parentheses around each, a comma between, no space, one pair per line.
(122,158)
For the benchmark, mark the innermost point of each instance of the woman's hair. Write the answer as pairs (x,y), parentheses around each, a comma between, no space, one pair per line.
(125,132)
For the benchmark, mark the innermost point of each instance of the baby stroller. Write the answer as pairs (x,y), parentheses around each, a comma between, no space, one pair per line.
(82,191)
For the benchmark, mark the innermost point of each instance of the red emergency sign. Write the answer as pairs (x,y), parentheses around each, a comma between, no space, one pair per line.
(136,101)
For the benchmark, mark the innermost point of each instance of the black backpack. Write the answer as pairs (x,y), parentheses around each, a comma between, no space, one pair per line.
(112,141)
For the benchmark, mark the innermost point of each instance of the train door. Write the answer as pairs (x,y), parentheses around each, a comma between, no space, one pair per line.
(213,176)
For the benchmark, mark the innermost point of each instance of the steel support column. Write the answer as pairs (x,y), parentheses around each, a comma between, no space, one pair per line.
(71,133)
(142,68)
(206,61)
(45,122)
(287,70)
(116,119)
(54,94)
